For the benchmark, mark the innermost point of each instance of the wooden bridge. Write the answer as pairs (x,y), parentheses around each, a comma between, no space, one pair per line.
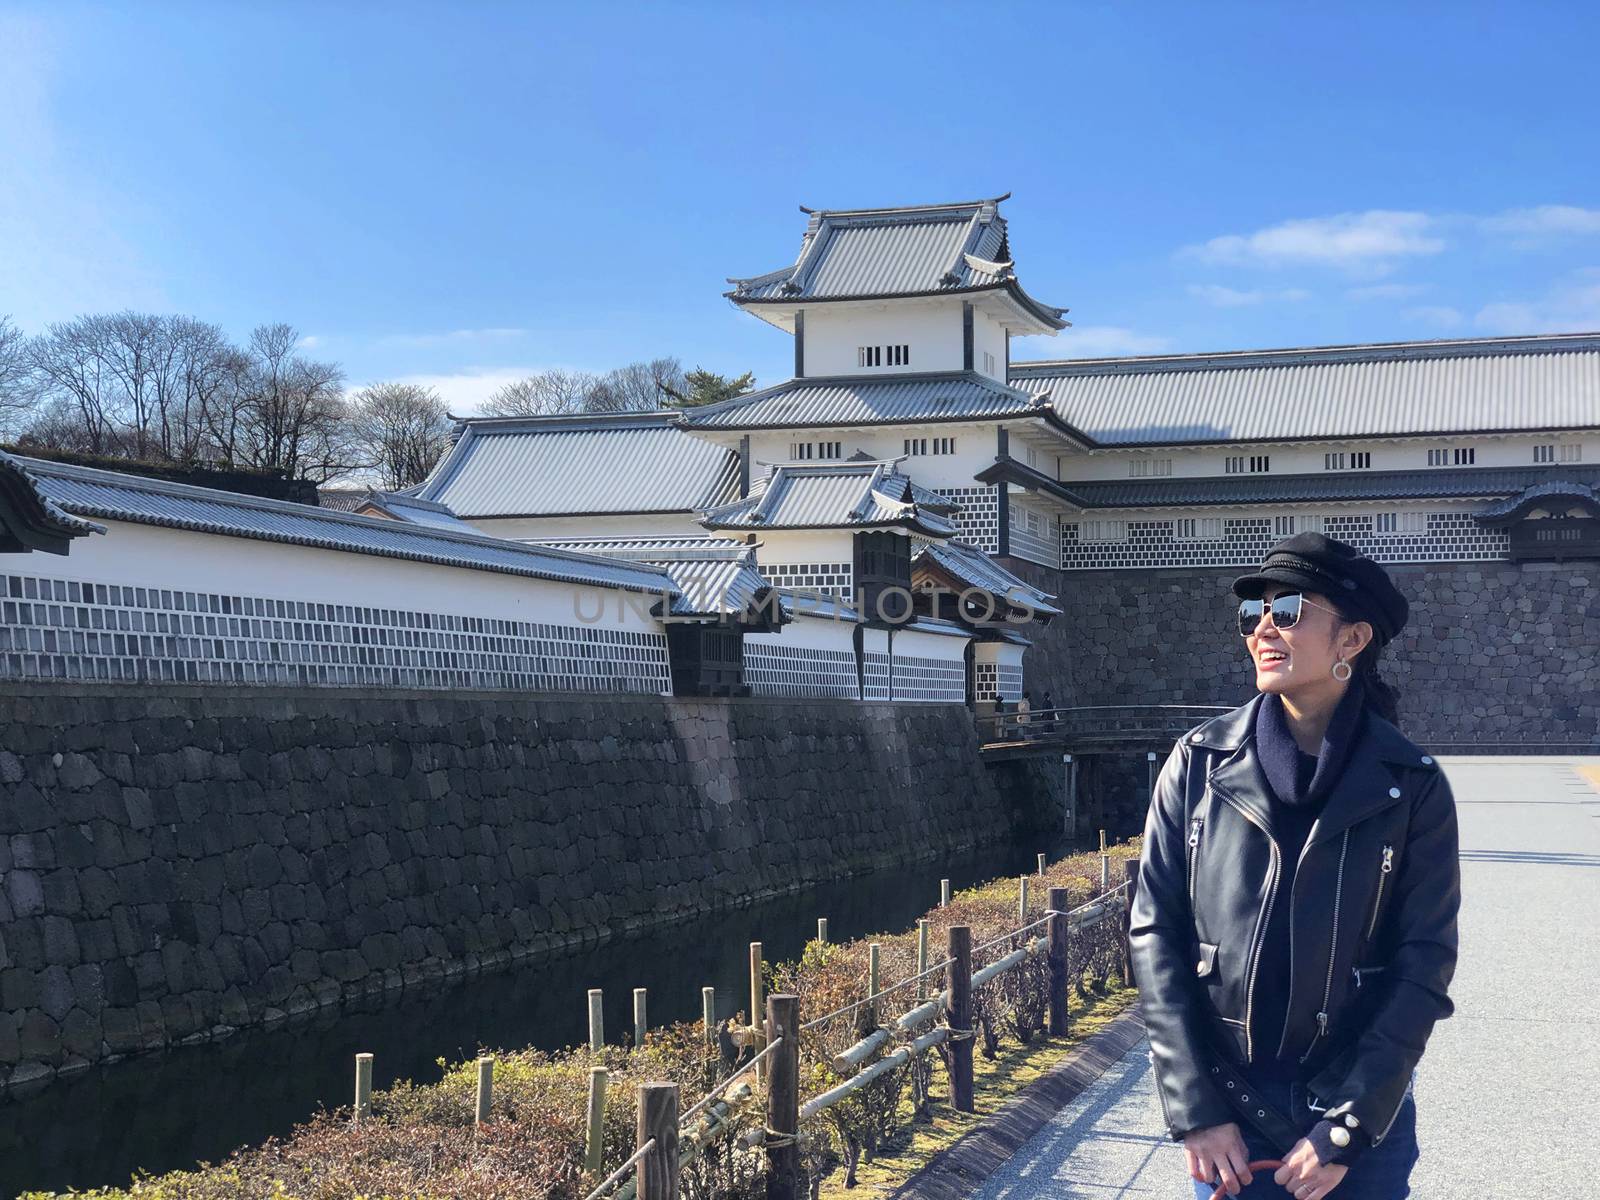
(1095,729)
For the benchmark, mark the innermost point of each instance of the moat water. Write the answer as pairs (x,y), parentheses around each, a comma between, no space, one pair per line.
(172,1110)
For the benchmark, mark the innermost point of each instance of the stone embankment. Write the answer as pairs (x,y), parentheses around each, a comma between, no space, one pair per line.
(178,862)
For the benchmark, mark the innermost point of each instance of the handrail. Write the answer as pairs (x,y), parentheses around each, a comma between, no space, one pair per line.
(717,1090)
(615,1177)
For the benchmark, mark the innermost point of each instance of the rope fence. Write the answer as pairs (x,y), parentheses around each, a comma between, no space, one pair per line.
(951,1022)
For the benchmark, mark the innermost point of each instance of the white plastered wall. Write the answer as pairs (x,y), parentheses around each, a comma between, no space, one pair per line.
(154,557)
(932,328)
(1409,454)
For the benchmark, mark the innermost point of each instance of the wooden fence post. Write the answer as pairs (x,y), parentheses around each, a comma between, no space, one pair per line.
(1022,900)
(757,1042)
(922,960)
(783,1100)
(363,1087)
(1105,865)
(658,1119)
(594,1146)
(1131,869)
(1059,936)
(944,893)
(485,1089)
(873,953)
(822,930)
(597,1019)
(1044,861)
(959,1017)
(708,1016)
(640,1021)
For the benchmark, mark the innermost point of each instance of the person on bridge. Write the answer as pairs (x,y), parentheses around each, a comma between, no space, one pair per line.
(1294,927)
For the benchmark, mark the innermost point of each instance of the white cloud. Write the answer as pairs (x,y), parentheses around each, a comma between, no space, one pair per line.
(1544,220)
(1570,306)
(1219,296)
(1094,341)
(465,392)
(453,337)
(310,341)
(1388,291)
(1438,315)
(1365,241)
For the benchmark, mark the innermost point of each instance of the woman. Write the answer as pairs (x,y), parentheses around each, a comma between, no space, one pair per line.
(1294,930)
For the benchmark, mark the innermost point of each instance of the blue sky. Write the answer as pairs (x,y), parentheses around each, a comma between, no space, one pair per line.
(465,193)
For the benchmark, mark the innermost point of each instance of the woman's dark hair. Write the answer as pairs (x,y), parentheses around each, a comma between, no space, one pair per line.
(1382,697)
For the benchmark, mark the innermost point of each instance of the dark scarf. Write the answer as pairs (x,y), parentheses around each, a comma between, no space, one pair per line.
(1281,756)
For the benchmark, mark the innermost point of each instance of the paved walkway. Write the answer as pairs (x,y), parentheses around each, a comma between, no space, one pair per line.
(1506,1094)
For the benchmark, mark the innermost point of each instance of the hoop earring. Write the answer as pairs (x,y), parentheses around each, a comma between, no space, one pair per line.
(1341,670)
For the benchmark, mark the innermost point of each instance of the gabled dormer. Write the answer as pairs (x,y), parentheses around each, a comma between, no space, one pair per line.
(893,291)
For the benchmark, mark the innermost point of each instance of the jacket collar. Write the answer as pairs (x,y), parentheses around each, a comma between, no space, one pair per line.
(1367,784)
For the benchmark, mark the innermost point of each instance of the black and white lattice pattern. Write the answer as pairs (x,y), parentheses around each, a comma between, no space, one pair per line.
(993,681)
(875,670)
(774,670)
(978,519)
(930,680)
(824,579)
(64,629)
(1448,537)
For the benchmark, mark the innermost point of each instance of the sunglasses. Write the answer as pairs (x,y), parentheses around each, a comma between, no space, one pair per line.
(1285,608)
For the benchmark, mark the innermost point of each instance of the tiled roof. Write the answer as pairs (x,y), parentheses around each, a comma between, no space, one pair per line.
(714,575)
(926,250)
(1400,389)
(29,518)
(829,496)
(1328,487)
(844,400)
(401,506)
(342,499)
(1553,493)
(85,492)
(589,464)
(972,568)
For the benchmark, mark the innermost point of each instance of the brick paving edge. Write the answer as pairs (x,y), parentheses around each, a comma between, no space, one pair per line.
(956,1171)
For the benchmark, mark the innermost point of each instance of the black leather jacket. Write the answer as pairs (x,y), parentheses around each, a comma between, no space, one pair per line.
(1373,921)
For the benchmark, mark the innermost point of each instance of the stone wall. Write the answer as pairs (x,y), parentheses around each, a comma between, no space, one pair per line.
(178,861)
(1496,655)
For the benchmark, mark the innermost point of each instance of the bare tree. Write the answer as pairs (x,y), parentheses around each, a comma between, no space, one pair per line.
(402,429)
(549,392)
(16,398)
(637,387)
(294,418)
(69,362)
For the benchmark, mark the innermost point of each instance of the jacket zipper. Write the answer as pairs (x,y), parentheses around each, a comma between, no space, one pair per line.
(1383,877)
(1262,918)
(1333,950)
(1194,853)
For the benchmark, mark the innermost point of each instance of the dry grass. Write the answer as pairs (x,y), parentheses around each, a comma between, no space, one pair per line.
(995,1083)
(421,1141)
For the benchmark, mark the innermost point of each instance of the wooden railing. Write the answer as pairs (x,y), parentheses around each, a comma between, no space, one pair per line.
(1097,723)
(667,1140)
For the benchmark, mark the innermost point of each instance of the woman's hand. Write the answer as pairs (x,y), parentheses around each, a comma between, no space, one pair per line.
(1220,1149)
(1304,1177)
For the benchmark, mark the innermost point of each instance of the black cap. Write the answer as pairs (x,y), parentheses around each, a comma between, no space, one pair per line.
(1358,587)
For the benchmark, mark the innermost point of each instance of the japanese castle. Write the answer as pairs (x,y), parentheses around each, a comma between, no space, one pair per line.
(900,520)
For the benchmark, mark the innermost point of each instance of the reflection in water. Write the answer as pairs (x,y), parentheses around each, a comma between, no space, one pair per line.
(162,1112)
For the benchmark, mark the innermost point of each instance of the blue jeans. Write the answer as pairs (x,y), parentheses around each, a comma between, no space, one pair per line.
(1383,1172)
